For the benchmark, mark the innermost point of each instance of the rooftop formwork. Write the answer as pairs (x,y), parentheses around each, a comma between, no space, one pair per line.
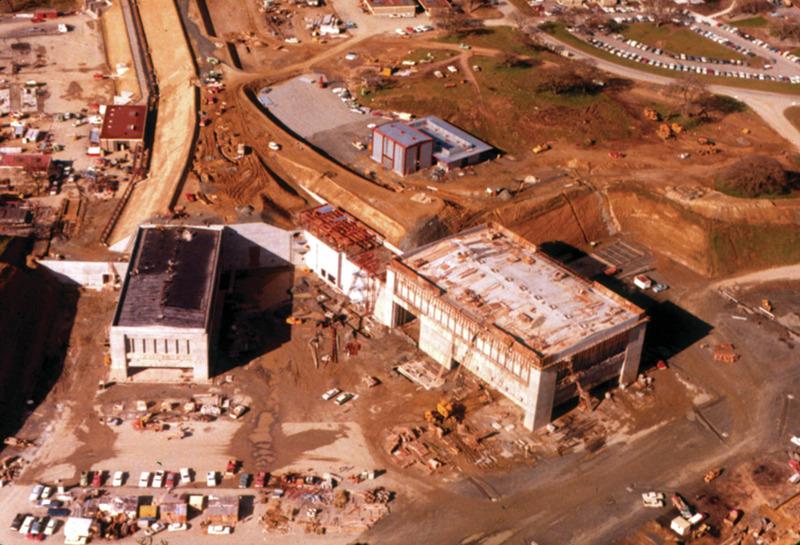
(488,300)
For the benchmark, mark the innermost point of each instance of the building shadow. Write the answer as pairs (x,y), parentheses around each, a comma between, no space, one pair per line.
(257,279)
(36,321)
(672,329)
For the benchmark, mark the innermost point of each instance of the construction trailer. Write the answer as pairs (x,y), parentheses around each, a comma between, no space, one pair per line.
(170,303)
(345,253)
(123,127)
(489,301)
(401,149)
(392,8)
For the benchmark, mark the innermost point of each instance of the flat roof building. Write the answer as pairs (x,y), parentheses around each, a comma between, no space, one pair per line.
(401,149)
(123,126)
(405,148)
(488,300)
(436,8)
(169,305)
(392,8)
(453,147)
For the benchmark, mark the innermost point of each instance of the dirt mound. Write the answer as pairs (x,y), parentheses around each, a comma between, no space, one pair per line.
(711,247)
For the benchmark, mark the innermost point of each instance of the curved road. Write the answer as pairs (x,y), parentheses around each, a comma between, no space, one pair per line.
(769,106)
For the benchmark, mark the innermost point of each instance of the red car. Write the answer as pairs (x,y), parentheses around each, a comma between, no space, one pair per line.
(171,479)
(261,479)
(97,479)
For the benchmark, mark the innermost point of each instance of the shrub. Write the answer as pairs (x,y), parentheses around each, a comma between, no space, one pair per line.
(753,176)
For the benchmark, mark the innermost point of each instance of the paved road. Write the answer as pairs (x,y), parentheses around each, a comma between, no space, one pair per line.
(769,106)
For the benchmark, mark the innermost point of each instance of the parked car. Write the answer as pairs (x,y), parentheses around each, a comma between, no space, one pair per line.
(343,398)
(244,480)
(177,527)
(97,479)
(261,479)
(158,479)
(211,478)
(274,146)
(186,475)
(26,524)
(58,512)
(16,524)
(330,394)
(84,480)
(172,479)
(154,529)
(51,528)
(144,479)
(37,526)
(118,478)
(36,492)
(218,529)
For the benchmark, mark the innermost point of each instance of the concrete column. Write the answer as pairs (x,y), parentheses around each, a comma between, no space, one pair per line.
(119,363)
(633,354)
(384,304)
(435,342)
(541,392)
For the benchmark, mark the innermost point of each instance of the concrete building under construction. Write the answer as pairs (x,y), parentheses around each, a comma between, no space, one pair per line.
(170,304)
(489,301)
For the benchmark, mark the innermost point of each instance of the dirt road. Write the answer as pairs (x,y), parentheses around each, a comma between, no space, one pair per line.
(176,120)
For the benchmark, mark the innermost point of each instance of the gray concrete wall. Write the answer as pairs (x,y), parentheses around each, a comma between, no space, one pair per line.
(154,347)
(94,275)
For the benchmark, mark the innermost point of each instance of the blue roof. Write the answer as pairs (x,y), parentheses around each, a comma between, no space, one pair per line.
(403,134)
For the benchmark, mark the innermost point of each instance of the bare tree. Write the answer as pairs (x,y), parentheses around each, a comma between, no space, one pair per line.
(689,91)
(661,10)
(455,21)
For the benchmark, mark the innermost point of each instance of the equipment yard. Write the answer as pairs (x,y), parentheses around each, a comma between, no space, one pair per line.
(375,272)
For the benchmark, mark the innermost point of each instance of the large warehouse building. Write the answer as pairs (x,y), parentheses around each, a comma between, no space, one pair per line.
(169,307)
(488,300)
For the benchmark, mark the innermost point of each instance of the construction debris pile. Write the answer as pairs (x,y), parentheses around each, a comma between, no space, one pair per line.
(309,504)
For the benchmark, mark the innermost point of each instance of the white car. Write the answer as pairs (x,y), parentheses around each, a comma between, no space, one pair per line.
(119,476)
(177,527)
(186,475)
(274,146)
(211,478)
(154,529)
(330,394)
(36,493)
(52,526)
(218,530)
(343,398)
(26,525)
(144,479)
(158,479)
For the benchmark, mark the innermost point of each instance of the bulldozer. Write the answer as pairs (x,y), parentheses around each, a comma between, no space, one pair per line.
(446,412)
(766,304)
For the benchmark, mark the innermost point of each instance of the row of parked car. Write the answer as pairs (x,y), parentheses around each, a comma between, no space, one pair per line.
(679,67)
(35,528)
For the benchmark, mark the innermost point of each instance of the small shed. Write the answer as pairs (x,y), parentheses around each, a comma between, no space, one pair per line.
(77,530)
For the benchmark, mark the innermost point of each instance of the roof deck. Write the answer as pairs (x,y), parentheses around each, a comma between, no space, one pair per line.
(496,277)
(452,144)
(403,134)
(171,278)
(124,122)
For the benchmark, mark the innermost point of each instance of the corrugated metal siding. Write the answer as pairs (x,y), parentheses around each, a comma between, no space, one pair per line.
(377,145)
(426,155)
(399,159)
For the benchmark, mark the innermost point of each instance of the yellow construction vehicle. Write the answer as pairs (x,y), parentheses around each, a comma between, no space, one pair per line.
(541,148)
(766,305)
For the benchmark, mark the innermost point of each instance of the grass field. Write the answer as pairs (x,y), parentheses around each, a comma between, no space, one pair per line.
(502,38)
(793,115)
(676,39)
(750,22)
(560,32)
(429,55)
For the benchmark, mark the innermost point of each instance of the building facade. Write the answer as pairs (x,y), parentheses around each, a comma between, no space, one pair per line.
(488,301)
(392,8)
(344,253)
(401,149)
(170,302)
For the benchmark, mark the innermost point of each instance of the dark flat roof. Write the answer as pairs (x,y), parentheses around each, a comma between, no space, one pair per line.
(31,162)
(170,279)
(391,3)
(124,122)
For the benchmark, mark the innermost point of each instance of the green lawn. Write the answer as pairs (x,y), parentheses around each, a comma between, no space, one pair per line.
(678,40)
(750,22)
(558,31)
(502,38)
(429,55)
